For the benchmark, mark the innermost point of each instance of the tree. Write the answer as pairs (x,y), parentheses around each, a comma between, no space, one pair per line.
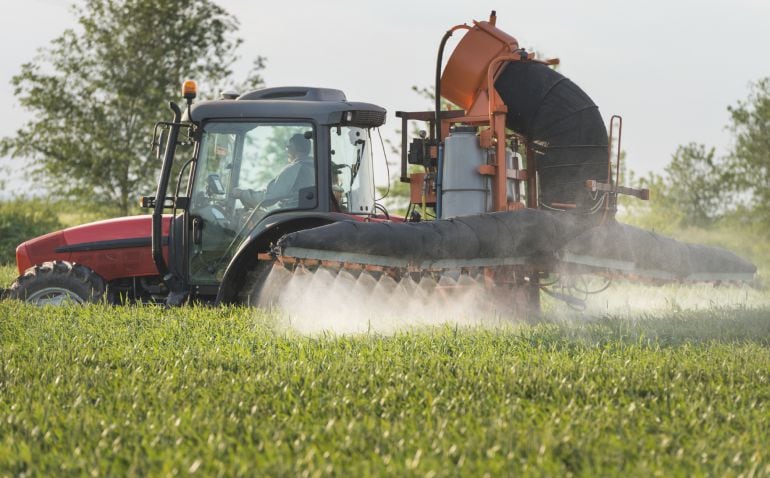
(658,214)
(690,192)
(749,163)
(96,92)
(695,185)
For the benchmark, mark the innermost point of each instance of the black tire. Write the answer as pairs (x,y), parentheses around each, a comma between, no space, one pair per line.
(57,283)
(258,291)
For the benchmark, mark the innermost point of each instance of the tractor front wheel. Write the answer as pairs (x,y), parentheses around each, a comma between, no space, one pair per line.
(58,283)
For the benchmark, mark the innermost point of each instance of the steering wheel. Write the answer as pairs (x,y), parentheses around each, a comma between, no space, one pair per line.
(211,210)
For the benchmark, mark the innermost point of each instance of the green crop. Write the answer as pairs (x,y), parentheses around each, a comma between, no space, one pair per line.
(7,275)
(114,391)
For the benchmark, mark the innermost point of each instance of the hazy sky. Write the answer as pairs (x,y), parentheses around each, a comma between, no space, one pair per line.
(669,67)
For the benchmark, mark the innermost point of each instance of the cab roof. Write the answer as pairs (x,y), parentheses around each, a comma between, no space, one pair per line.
(323,105)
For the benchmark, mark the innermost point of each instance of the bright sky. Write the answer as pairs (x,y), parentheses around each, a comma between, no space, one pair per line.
(669,67)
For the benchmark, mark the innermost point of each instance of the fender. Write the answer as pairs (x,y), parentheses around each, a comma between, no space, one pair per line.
(259,240)
(114,248)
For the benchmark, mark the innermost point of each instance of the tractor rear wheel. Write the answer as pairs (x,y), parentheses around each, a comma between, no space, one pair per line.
(58,283)
(264,285)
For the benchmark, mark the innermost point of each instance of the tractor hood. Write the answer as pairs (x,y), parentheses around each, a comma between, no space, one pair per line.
(113,248)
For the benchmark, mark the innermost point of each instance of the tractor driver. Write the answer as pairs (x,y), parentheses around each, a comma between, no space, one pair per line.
(298,174)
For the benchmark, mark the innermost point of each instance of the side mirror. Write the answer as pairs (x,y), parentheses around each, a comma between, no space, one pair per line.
(162,143)
(159,140)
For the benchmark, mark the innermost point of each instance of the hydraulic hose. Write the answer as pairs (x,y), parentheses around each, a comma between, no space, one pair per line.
(437,122)
(439,64)
(439,61)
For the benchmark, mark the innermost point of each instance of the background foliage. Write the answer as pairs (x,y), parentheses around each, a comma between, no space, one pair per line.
(21,220)
(96,91)
(750,158)
(700,189)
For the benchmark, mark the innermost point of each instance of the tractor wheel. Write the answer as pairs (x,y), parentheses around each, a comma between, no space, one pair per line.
(264,285)
(58,283)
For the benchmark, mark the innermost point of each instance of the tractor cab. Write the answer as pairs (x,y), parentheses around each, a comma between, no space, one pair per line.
(236,175)
(246,165)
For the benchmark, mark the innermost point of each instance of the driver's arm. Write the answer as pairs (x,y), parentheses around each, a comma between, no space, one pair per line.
(249,197)
(282,186)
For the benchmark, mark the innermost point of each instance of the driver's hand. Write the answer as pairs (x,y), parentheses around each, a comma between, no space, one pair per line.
(248,197)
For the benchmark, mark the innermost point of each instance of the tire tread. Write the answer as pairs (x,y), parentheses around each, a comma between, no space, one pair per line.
(72,276)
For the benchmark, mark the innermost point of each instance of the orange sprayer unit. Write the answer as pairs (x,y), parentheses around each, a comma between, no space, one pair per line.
(477,73)
(468,81)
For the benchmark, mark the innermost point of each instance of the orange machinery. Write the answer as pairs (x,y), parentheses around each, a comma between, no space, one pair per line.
(468,82)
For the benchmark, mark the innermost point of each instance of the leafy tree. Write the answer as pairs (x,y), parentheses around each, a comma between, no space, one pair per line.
(690,192)
(750,159)
(657,214)
(4,172)
(695,185)
(21,220)
(95,92)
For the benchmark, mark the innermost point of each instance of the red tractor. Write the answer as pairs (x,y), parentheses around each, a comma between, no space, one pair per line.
(517,191)
(222,151)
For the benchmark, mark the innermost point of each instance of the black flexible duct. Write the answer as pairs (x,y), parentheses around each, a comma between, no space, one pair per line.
(501,234)
(565,126)
(527,233)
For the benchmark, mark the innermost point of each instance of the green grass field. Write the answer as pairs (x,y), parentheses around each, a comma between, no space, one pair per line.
(108,391)
(8,274)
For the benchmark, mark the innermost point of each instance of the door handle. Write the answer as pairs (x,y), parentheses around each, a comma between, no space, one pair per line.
(197,230)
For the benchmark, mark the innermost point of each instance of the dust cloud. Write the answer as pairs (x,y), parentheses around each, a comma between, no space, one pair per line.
(325,301)
(627,299)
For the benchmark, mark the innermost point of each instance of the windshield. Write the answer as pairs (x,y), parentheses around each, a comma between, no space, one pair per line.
(245,171)
(352,172)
